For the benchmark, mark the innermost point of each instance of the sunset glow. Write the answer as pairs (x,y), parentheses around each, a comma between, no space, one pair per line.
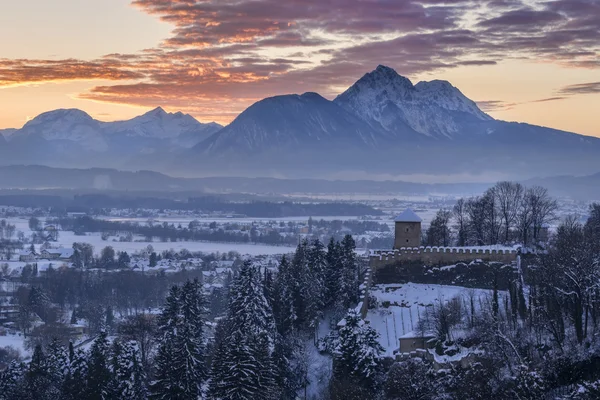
(521,60)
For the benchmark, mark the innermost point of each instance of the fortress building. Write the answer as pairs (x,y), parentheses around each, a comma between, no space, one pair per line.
(407,248)
(408,230)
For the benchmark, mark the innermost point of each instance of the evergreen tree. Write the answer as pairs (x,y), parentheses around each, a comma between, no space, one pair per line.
(128,374)
(98,376)
(11,381)
(180,362)
(243,366)
(74,385)
(166,384)
(58,363)
(349,272)
(190,339)
(315,287)
(38,381)
(333,272)
(284,310)
(357,352)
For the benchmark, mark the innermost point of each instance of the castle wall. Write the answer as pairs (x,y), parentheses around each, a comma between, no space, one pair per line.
(407,234)
(439,255)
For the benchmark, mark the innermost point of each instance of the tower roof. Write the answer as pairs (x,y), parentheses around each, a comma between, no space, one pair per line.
(408,215)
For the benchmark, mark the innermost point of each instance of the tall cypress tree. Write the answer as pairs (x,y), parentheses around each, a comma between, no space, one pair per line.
(316,287)
(349,272)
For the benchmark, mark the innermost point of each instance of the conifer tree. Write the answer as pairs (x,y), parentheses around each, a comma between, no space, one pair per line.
(357,352)
(190,339)
(38,382)
(128,374)
(58,362)
(315,288)
(243,363)
(74,384)
(180,362)
(12,381)
(284,310)
(333,272)
(349,272)
(98,376)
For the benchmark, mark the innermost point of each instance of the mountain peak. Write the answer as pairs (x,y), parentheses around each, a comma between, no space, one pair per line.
(157,112)
(385,76)
(66,114)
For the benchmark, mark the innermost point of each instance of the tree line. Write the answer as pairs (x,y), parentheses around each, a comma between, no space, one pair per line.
(506,213)
(258,348)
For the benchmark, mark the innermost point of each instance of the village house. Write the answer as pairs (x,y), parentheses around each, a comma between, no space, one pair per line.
(27,256)
(62,254)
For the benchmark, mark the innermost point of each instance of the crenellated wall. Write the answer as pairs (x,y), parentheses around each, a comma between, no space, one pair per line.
(439,255)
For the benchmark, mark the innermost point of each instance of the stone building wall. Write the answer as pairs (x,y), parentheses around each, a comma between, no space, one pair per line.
(407,234)
(439,255)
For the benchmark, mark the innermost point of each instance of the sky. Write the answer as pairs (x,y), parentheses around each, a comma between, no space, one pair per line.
(535,61)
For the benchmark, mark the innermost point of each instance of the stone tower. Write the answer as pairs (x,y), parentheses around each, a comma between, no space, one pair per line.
(408,230)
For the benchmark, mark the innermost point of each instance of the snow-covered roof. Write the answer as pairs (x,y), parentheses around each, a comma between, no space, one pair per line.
(408,215)
(62,252)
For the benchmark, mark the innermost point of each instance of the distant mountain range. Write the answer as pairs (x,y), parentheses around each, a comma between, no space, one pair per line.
(72,138)
(383,126)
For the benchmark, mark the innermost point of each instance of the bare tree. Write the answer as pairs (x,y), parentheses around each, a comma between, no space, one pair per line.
(438,233)
(543,208)
(459,211)
(509,196)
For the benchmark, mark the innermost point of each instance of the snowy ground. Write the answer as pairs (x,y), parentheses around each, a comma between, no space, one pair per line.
(66,239)
(15,341)
(408,304)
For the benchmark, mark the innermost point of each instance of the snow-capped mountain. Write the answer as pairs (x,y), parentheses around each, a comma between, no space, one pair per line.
(391,102)
(289,122)
(65,125)
(383,124)
(71,137)
(179,128)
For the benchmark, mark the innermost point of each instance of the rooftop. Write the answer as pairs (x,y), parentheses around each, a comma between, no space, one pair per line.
(408,215)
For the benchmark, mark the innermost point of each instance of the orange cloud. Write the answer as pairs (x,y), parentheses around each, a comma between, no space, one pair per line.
(224,54)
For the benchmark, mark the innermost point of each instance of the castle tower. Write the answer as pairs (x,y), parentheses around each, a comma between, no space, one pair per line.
(408,230)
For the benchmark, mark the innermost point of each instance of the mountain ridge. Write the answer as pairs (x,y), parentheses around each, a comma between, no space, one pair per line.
(382,125)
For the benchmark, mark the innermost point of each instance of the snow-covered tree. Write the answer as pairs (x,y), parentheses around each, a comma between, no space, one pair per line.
(11,380)
(357,351)
(74,384)
(98,374)
(243,367)
(179,363)
(128,374)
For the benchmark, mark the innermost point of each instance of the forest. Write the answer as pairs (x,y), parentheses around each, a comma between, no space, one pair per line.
(260,338)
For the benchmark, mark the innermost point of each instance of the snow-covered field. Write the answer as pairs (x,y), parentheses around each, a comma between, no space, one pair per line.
(408,304)
(15,341)
(67,238)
